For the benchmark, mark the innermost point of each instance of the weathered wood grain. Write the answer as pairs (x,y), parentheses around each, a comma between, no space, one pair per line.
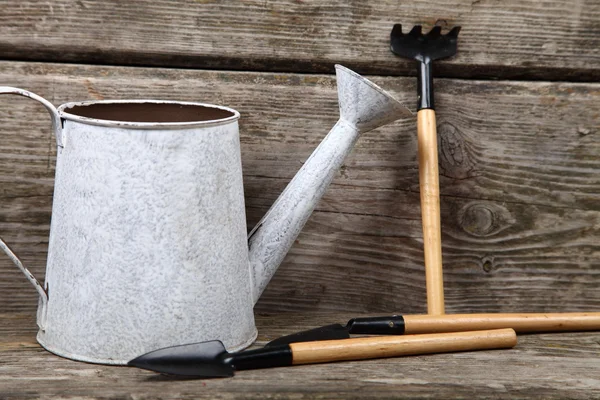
(556,39)
(520,188)
(545,366)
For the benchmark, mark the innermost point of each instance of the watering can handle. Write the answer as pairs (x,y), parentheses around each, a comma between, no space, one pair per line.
(56,125)
(42,292)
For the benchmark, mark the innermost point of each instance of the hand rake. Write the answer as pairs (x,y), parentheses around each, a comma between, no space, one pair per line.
(425,49)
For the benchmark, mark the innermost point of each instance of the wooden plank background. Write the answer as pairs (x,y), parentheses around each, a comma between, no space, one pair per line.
(519,128)
(554,39)
(519,162)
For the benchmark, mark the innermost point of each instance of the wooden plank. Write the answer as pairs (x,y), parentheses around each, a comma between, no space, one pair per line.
(520,188)
(558,40)
(549,366)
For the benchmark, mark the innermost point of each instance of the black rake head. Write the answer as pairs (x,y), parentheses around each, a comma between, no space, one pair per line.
(424,47)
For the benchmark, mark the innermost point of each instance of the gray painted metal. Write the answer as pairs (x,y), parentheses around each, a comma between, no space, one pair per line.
(364,106)
(148,246)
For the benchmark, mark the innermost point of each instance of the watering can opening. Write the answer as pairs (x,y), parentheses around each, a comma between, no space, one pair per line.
(147,114)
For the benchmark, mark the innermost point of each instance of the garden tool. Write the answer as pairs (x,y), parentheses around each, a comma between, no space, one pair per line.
(425,49)
(418,324)
(211,359)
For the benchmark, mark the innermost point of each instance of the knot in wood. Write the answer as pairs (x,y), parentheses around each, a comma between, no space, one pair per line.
(488,264)
(455,159)
(484,219)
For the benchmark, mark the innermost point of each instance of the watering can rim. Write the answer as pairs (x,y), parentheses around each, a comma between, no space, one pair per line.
(64,114)
(373,85)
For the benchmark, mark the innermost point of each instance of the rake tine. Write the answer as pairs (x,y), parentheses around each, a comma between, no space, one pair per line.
(415,31)
(435,32)
(454,32)
(397,30)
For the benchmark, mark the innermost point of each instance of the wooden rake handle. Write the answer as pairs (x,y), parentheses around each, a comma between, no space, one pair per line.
(395,346)
(430,210)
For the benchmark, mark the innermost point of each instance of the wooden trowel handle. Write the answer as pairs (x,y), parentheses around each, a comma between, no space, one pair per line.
(394,346)
(430,210)
(521,322)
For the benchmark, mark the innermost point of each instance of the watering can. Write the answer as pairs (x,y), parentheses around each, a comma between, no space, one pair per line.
(148,243)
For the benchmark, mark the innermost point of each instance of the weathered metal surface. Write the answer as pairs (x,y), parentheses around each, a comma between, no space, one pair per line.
(363,107)
(148,236)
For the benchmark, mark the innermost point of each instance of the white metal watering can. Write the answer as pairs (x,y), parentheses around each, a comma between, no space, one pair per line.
(148,243)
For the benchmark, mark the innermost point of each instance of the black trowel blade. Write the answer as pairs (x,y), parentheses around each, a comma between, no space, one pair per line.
(386,325)
(206,359)
(328,332)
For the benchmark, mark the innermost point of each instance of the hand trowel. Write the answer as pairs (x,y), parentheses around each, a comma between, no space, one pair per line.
(211,359)
(417,324)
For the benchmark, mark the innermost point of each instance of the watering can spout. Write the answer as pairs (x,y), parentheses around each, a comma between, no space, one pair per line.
(363,107)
